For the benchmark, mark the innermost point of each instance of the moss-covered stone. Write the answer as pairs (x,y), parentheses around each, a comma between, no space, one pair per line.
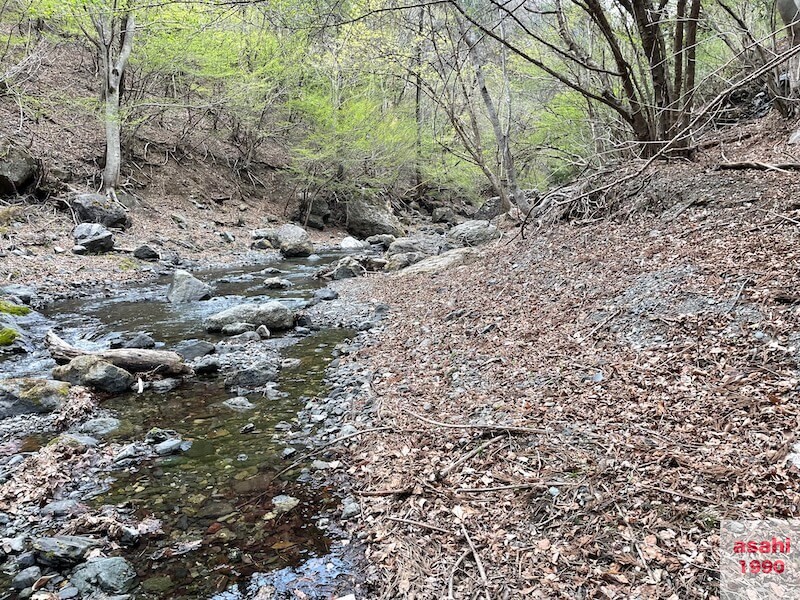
(21,396)
(7,336)
(16,310)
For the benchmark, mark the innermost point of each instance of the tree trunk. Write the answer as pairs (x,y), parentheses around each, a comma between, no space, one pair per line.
(506,161)
(133,360)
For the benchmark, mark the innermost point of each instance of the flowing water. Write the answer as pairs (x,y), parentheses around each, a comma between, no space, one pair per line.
(214,500)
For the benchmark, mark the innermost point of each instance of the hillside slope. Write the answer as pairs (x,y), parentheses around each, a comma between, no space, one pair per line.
(587,404)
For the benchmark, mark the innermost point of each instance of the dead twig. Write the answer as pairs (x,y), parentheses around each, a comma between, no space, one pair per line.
(478,561)
(760,166)
(311,453)
(420,524)
(444,472)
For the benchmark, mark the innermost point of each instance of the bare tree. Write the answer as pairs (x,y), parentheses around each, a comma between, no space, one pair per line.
(113,27)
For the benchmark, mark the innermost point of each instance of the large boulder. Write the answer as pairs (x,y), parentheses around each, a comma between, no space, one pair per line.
(113,575)
(444,214)
(491,208)
(446,260)
(293,241)
(97,208)
(93,371)
(317,217)
(93,237)
(366,218)
(273,315)
(473,233)
(427,245)
(23,396)
(17,169)
(185,287)
(345,268)
(351,243)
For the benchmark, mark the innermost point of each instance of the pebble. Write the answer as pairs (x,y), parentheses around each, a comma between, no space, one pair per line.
(68,592)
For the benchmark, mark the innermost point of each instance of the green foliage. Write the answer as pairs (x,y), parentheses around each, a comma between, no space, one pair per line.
(16,310)
(7,336)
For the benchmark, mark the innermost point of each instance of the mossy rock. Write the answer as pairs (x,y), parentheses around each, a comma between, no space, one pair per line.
(8,336)
(15,310)
(24,396)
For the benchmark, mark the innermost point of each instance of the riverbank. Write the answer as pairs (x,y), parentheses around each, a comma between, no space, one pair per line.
(574,414)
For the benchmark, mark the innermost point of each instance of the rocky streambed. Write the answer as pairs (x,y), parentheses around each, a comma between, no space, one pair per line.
(186,487)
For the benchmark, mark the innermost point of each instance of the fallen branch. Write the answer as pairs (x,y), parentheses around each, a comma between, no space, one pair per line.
(444,472)
(759,166)
(478,561)
(134,360)
(509,428)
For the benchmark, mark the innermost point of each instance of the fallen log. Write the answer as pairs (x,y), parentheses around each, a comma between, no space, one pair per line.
(133,360)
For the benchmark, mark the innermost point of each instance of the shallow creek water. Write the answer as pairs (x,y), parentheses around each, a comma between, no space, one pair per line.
(214,500)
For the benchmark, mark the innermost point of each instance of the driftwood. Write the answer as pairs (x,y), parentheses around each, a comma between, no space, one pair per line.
(133,360)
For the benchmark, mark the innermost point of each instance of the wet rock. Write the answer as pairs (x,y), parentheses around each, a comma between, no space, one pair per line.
(60,508)
(112,575)
(276,283)
(62,550)
(164,386)
(93,238)
(185,287)
(26,578)
(247,336)
(166,447)
(93,371)
(156,435)
(253,376)
(444,214)
(146,252)
(473,233)
(446,260)
(79,440)
(287,452)
(215,509)
(351,243)
(350,508)
(194,349)
(284,503)
(237,328)
(17,168)
(239,403)
(100,426)
(23,293)
(138,340)
(24,396)
(206,365)
(293,241)
(97,208)
(368,217)
(273,315)
(68,592)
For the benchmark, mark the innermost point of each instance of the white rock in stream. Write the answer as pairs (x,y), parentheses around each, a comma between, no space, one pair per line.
(284,503)
(273,315)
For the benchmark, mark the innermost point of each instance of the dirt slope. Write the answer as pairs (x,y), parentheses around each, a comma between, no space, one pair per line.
(587,404)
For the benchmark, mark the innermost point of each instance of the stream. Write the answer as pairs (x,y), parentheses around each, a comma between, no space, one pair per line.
(220,530)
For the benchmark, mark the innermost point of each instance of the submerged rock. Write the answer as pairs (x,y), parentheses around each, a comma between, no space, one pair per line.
(112,575)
